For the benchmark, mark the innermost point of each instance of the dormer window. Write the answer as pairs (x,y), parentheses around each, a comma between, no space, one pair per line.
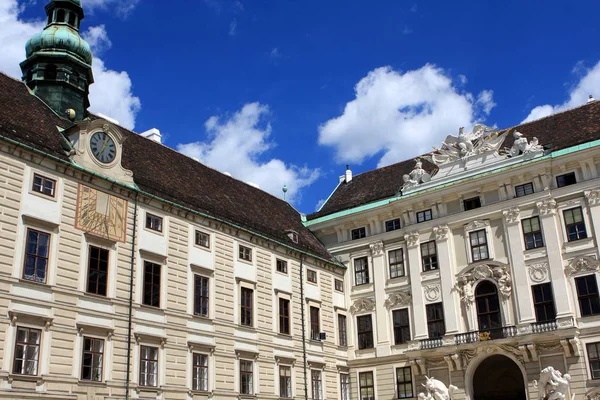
(293,235)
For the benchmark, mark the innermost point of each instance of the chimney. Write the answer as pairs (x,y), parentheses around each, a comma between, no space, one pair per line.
(591,98)
(348,174)
(152,134)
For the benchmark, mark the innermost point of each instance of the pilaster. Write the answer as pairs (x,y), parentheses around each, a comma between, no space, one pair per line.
(414,262)
(379,279)
(593,201)
(446,264)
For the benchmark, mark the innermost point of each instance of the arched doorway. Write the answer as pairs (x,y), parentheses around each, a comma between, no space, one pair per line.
(498,378)
(488,309)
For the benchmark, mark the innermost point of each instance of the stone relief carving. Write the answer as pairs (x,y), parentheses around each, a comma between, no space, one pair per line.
(417,176)
(441,232)
(436,390)
(553,385)
(398,299)
(466,281)
(412,239)
(592,196)
(521,145)
(582,264)
(511,216)
(476,225)
(546,207)
(538,272)
(376,248)
(362,304)
(432,291)
(468,355)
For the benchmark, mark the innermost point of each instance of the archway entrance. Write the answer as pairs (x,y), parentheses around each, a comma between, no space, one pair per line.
(498,378)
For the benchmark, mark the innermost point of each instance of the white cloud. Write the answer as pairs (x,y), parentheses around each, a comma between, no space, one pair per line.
(406,31)
(275,53)
(121,7)
(233,27)
(401,115)
(589,83)
(413,8)
(110,94)
(236,143)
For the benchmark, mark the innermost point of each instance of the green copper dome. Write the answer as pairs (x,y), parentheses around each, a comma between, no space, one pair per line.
(59,37)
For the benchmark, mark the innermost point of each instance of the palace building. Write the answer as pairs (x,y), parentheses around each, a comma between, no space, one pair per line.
(130,271)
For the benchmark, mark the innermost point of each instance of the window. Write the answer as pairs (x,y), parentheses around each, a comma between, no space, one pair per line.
(401,326)
(311,276)
(489,318)
(404,383)
(339,285)
(472,203)
(365,332)
(396,260)
(43,185)
(392,225)
(154,222)
(435,321)
(50,72)
(361,271)
(315,327)
(72,19)
(200,365)
(566,179)
(359,233)
(36,256)
(532,233)
(93,355)
(524,190)
(345,386)
(60,16)
(285,382)
(317,391)
(593,350)
(27,351)
(148,366)
(574,224)
(202,239)
(201,295)
(429,256)
(587,294)
(424,215)
(284,316)
(151,284)
(479,248)
(281,266)
(97,270)
(367,386)
(543,302)
(246,306)
(246,385)
(245,253)
(342,331)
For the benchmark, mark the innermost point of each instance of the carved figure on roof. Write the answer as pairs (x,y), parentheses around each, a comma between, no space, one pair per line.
(553,385)
(417,175)
(521,145)
(436,390)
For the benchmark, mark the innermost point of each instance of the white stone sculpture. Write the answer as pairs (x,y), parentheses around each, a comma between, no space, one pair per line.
(417,175)
(436,390)
(521,145)
(553,385)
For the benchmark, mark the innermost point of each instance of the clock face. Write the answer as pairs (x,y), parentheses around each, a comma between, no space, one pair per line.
(103,147)
(101,214)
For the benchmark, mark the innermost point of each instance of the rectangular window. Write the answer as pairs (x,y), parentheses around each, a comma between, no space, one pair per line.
(281,266)
(401,326)
(543,302)
(479,248)
(202,239)
(285,382)
(424,215)
(148,366)
(404,383)
(367,386)
(392,225)
(361,271)
(317,390)
(593,350)
(37,250)
(345,386)
(566,179)
(315,326)
(435,321)
(532,233)
(342,331)
(151,284)
(429,256)
(339,285)
(396,260)
(154,222)
(587,294)
(284,316)
(246,375)
(574,224)
(200,379)
(97,270)
(92,360)
(472,203)
(201,295)
(246,308)
(311,276)
(43,185)
(359,233)
(365,332)
(524,190)
(245,253)
(27,351)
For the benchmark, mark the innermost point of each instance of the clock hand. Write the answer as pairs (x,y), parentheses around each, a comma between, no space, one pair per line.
(104,145)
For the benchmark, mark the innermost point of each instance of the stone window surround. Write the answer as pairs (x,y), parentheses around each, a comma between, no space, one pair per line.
(252,357)
(44,174)
(52,229)
(95,332)
(161,260)
(574,203)
(20,319)
(281,361)
(242,283)
(155,213)
(279,294)
(110,245)
(374,335)
(353,257)
(357,377)
(584,343)
(397,366)
(410,324)
(207,273)
(477,225)
(142,339)
(340,311)
(204,349)
(386,253)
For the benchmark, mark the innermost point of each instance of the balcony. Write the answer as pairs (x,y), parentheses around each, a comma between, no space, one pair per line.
(483,336)
(541,327)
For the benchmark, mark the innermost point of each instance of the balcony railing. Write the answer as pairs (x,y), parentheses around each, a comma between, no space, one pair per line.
(485,335)
(431,343)
(540,327)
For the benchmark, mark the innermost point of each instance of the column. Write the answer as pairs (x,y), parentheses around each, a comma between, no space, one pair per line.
(418,310)
(593,200)
(446,263)
(381,318)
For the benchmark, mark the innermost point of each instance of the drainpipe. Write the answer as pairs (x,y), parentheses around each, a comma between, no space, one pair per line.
(132,263)
(303,326)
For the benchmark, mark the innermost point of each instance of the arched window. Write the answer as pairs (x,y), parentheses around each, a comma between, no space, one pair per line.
(72,19)
(60,16)
(488,310)
(50,72)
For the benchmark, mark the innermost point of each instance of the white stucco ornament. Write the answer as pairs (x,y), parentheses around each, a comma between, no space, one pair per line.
(436,390)
(582,264)
(467,280)
(362,304)
(398,299)
(417,176)
(521,145)
(553,385)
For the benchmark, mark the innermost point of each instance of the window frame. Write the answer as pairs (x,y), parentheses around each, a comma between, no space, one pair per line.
(429,261)
(345,387)
(404,395)
(149,361)
(199,233)
(89,270)
(244,253)
(281,266)
(593,360)
(311,276)
(364,272)
(26,345)
(249,388)
(370,389)
(590,297)
(197,376)
(575,224)
(424,215)
(524,187)
(203,297)
(338,285)
(149,299)
(317,391)
(543,302)
(246,310)
(285,381)
(360,233)
(150,222)
(391,225)
(537,241)
(434,324)
(392,266)
(284,318)
(42,185)
(26,255)
(480,245)
(402,328)
(92,352)
(365,339)
(342,323)
(473,202)
(566,178)
(315,322)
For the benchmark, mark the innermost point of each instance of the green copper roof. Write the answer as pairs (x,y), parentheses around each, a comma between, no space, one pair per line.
(57,38)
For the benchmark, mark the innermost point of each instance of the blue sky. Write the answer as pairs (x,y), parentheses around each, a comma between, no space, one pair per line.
(290,92)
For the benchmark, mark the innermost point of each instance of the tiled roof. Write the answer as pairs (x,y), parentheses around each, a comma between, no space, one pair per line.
(555,132)
(163,172)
